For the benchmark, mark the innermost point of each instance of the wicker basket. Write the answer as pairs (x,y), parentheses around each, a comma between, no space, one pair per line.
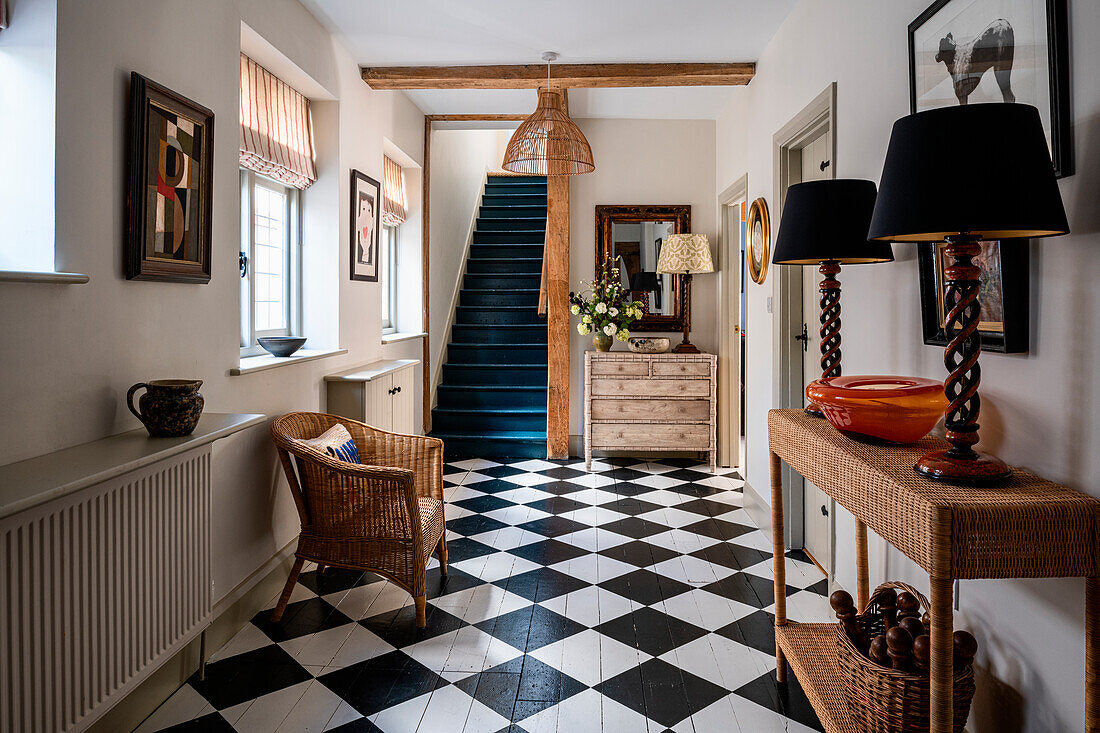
(883,700)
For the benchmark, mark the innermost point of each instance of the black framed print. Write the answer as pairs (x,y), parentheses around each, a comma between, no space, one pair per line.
(170,165)
(975,51)
(366,223)
(1004,294)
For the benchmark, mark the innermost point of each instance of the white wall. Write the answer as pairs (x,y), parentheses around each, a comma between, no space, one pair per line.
(642,162)
(459,160)
(1040,410)
(70,352)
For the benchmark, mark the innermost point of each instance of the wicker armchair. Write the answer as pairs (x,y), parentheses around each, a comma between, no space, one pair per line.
(384,515)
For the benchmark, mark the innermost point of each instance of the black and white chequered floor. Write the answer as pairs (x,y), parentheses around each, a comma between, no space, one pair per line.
(635,597)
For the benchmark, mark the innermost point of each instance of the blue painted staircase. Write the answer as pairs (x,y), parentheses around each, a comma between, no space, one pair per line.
(492,399)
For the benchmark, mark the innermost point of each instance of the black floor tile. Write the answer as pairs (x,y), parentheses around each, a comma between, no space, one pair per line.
(645,586)
(553,526)
(398,628)
(242,677)
(748,589)
(541,585)
(486,503)
(531,628)
(212,723)
(639,553)
(334,580)
(651,631)
(558,505)
(718,529)
(630,505)
(301,618)
(464,548)
(382,682)
(727,554)
(473,524)
(757,630)
(786,699)
(495,690)
(706,507)
(635,527)
(548,552)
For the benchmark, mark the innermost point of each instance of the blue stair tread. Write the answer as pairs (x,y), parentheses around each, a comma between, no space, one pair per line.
(501,290)
(493,410)
(498,387)
(516,345)
(495,365)
(493,434)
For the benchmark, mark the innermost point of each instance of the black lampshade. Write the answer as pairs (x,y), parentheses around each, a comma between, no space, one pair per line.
(643,282)
(828,220)
(979,169)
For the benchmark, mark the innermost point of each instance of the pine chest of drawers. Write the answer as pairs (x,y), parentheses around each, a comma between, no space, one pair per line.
(649,402)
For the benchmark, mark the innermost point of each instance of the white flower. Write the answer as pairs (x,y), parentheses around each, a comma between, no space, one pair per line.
(623,334)
(610,329)
(612,311)
(601,307)
(575,309)
(583,329)
(586,318)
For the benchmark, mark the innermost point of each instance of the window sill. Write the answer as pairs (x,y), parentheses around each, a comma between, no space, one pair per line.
(393,338)
(252,364)
(57,278)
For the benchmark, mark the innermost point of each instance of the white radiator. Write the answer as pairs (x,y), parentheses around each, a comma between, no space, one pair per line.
(99,586)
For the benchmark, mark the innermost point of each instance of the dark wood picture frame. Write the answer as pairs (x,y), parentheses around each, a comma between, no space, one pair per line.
(1012,334)
(357,178)
(1061,144)
(144,95)
(679,213)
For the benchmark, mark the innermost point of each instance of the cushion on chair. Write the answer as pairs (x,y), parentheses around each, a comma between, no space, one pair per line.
(336,442)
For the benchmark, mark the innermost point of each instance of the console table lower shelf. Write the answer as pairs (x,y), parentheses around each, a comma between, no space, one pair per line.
(810,650)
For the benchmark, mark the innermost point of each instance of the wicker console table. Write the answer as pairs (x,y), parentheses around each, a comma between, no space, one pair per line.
(1027,527)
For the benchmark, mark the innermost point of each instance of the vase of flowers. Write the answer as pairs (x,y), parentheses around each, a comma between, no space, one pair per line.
(605,308)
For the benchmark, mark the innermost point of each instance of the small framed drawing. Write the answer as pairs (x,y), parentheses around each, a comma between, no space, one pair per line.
(1004,294)
(974,51)
(170,163)
(366,222)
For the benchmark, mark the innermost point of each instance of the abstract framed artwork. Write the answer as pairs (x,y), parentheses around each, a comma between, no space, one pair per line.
(366,222)
(169,192)
(974,51)
(1004,294)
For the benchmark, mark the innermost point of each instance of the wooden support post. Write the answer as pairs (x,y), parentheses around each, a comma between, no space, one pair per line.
(943,647)
(863,583)
(1092,655)
(556,257)
(779,561)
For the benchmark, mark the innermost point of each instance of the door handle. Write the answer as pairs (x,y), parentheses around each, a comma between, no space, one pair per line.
(804,337)
(824,511)
(824,164)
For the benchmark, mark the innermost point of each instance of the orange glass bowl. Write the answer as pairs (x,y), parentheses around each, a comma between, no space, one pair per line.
(895,409)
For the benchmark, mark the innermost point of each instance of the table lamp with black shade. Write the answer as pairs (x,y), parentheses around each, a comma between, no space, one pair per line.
(961,175)
(825,223)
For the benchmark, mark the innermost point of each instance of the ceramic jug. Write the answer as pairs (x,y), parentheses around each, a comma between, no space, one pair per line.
(170,408)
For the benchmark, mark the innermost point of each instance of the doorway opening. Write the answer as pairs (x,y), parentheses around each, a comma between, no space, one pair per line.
(732,342)
(804,150)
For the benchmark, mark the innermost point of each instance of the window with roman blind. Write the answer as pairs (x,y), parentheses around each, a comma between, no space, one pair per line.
(394,212)
(277,163)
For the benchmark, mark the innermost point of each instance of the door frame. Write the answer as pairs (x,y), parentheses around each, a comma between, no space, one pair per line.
(730,452)
(817,116)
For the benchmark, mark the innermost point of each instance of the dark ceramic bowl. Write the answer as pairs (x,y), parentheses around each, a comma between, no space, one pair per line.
(281,345)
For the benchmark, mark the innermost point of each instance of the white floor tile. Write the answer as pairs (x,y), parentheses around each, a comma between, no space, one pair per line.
(313,711)
(247,639)
(495,566)
(266,713)
(480,603)
(185,704)
(704,609)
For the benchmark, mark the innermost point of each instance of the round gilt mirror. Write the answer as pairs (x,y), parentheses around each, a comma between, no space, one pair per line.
(759,245)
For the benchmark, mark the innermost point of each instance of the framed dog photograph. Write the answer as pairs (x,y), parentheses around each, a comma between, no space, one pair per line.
(366,223)
(1003,296)
(976,51)
(170,163)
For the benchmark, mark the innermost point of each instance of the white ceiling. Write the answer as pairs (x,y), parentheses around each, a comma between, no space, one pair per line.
(462,32)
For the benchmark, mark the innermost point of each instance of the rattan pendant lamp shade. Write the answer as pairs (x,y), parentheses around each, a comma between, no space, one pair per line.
(548,143)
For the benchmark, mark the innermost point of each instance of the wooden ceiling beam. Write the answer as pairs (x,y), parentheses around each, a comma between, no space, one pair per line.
(580,76)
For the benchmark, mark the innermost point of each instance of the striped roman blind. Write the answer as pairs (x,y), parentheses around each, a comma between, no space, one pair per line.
(276,139)
(394,202)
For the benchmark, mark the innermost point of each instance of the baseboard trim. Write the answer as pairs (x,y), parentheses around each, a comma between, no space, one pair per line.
(230,614)
(758,510)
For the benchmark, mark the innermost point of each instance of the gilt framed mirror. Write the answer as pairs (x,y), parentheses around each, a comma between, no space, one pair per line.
(632,237)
